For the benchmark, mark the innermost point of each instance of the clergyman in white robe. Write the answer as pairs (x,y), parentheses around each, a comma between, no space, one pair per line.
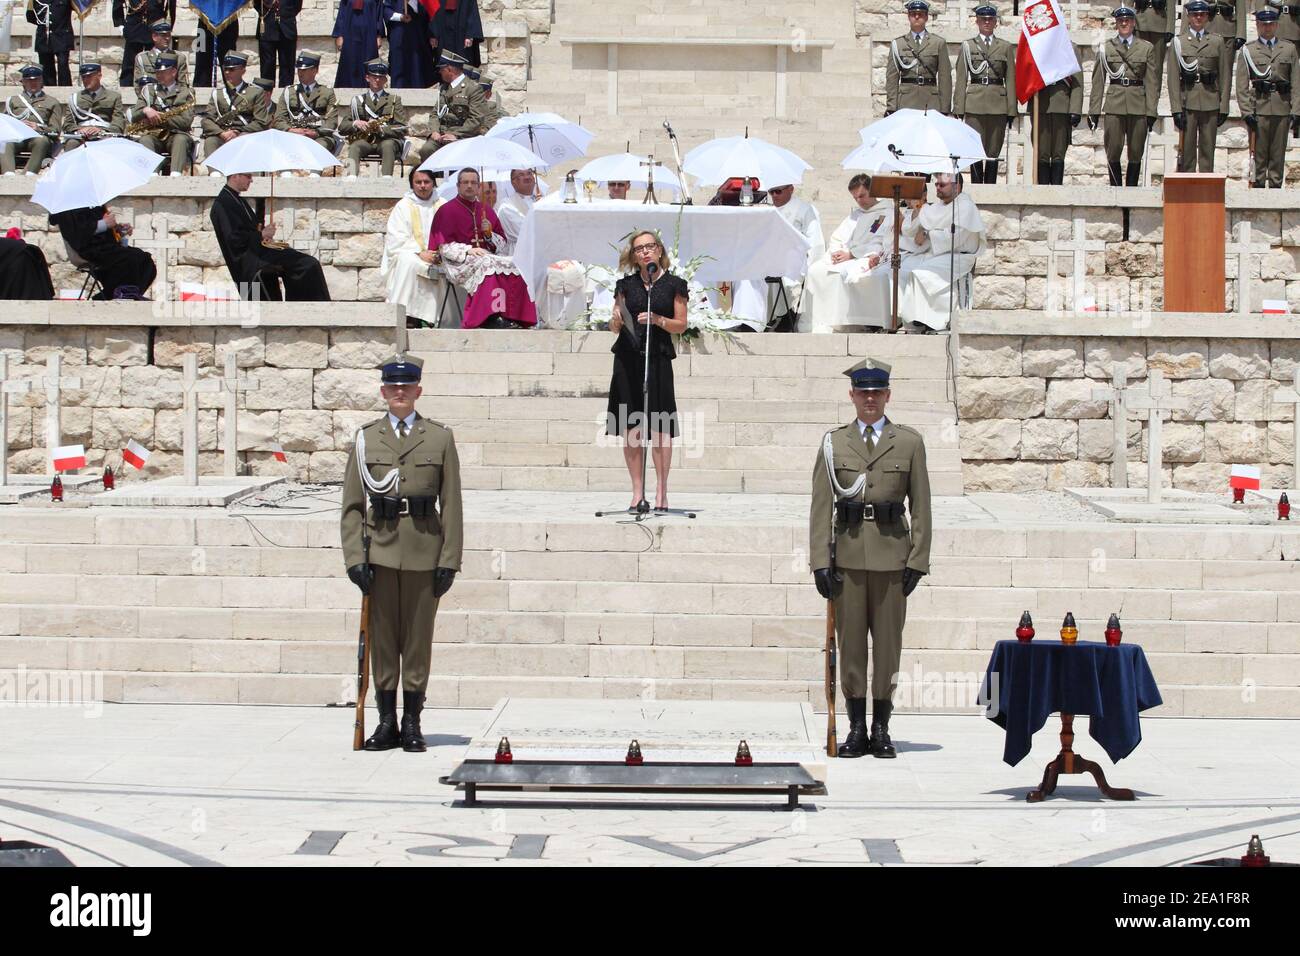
(749,297)
(411,279)
(515,205)
(924,297)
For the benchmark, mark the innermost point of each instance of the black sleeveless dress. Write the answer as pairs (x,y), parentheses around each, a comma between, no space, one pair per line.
(625,399)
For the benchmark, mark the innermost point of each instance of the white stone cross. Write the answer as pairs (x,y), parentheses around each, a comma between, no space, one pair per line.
(1116,393)
(1078,245)
(192,387)
(8,386)
(232,385)
(1282,396)
(1243,250)
(54,382)
(161,240)
(1155,400)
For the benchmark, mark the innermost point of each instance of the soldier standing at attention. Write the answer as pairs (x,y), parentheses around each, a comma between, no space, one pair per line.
(985,94)
(1059,107)
(1200,77)
(1123,78)
(1268,95)
(918,74)
(863,555)
(401,531)
(1155,24)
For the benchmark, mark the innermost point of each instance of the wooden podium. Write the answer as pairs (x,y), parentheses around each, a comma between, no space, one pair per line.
(1194,230)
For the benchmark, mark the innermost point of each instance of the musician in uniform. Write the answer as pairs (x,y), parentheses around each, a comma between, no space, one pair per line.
(93,111)
(135,17)
(462,106)
(402,534)
(1123,84)
(1156,24)
(238,107)
(1200,80)
(918,74)
(377,123)
(40,111)
(266,88)
(1268,95)
(277,38)
(161,32)
(54,38)
(163,115)
(307,107)
(985,93)
(1228,20)
(867,476)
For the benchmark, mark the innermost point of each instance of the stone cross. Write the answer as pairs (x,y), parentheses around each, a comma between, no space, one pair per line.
(55,381)
(1078,245)
(8,387)
(1116,393)
(1155,400)
(161,241)
(1282,396)
(192,387)
(1243,250)
(232,384)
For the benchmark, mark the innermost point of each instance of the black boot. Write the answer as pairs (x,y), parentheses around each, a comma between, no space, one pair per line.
(1116,179)
(385,736)
(990,171)
(881,745)
(1058,172)
(856,744)
(412,736)
(1044,172)
(1133,174)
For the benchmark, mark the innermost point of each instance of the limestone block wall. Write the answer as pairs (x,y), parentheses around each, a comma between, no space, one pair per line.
(1028,419)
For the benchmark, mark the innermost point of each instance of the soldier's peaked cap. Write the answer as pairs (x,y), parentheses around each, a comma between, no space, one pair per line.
(307,60)
(869,374)
(1196,6)
(86,68)
(31,72)
(1266,15)
(164,61)
(402,369)
(160,26)
(986,10)
(915,6)
(447,58)
(235,59)
(262,84)
(377,68)
(1123,11)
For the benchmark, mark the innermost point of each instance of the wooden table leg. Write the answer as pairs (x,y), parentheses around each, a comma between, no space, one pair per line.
(1068,762)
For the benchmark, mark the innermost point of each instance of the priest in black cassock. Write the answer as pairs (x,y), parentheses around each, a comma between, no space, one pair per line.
(457,28)
(24,273)
(243,238)
(357,31)
(95,235)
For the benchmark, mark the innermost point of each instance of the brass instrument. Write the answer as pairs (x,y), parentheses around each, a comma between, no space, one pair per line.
(144,125)
(371,134)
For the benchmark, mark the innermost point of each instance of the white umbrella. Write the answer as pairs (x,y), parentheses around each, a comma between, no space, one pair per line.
(916,141)
(719,159)
(94,174)
(630,168)
(479,151)
(14,131)
(549,135)
(270,151)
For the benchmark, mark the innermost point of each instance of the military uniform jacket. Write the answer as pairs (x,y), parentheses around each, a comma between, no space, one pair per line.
(241,108)
(977,62)
(462,109)
(156,97)
(53,20)
(428,466)
(297,107)
(145,66)
(493,110)
(277,19)
(1063,96)
(43,110)
(1156,16)
(895,471)
(103,108)
(1288,21)
(1117,63)
(1228,17)
(386,107)
(1257,63)
(1192,58)
(135,16)
(925,60)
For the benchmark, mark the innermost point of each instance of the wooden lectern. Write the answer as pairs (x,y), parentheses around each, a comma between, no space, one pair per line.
(899,188)
(1194,230)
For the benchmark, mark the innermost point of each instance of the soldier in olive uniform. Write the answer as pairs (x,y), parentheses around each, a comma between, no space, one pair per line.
(401,531)
(1156,24)
(171,136)
(493,110)
(985,93)
(376,115)
(238,107)
(93,112)
(1123,85)
(1268,95)
(918,74)
(1059,106)
(162,43)
(1288,20)
(1228,20)
(1200,78)
(862,554)
(462,105)
(135,18)
(307,107)
(42,112)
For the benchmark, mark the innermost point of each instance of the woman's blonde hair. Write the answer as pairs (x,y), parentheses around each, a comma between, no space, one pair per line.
(627,259)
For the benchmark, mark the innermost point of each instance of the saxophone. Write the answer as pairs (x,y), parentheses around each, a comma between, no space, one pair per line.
(144,125)
(371,135)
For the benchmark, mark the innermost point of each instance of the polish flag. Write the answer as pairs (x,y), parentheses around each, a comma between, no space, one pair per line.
(278,452)
(69,457)
(1045,53)
(1087,304)
(1275,307)
(1244,476)
(135,454)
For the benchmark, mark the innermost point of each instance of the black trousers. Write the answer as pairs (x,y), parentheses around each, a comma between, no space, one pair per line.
(56,69)
(268,51)
(123,266)
(131,51)
(304,280)
(203,59)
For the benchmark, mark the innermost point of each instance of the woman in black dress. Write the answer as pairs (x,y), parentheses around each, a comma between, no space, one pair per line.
(658,309)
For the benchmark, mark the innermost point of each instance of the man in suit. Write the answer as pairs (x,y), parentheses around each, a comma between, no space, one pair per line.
(54,38)
(238,107)
(1124,86)
(985,94)
(250,254)
(40,111)
(918,74)
(866,476)
(277,38)
(307,107)
(377,123)
(95,235)
(1200,80)
(402,536)
(134,17)
(462,106)
(93,111)
(1268,95)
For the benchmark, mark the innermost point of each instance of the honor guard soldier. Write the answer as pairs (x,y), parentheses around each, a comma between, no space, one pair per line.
(1156,24)
(162,43)
(868,475)
(1123,85)
(135,17)
(462,105)
(1200,78)
(238,107)
(401,531)
(54,38)
(162,116)
(377,123)
(1228,20)
(1288,20)
(277,37)
(93,112)
(1268,95)
(40,111)
(985,93)
(307,107)
(1059,106)
(918,74)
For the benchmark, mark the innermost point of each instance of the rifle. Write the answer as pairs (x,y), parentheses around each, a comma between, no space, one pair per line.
(832,748)
(363,660)
(1250,148)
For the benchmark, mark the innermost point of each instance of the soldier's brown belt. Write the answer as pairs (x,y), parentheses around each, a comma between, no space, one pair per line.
(390,508)
(1125,81)
(850,512)
(988,81)
(919,80)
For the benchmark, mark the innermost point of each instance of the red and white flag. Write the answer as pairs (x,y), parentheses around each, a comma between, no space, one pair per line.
(1045,53)
(135,454)
(1244,476)
(1275,307)
(69,457)
(278,452)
